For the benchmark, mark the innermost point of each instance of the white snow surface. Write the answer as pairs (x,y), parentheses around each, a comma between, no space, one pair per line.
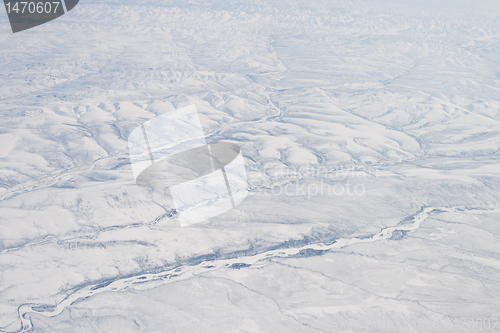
(370,131)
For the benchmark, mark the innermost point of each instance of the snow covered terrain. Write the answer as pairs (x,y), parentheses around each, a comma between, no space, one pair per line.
(370,132)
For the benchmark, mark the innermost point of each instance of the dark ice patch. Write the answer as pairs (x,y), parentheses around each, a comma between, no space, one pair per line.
(44,308)
(306,253)
(239,265)
(398,234)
